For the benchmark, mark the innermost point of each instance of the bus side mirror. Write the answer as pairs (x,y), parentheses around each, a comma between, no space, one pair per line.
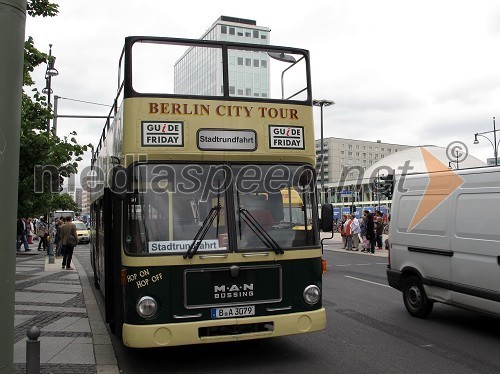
(119,182)
(327,218)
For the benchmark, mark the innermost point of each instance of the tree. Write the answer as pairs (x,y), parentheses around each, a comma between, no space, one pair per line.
(40,148)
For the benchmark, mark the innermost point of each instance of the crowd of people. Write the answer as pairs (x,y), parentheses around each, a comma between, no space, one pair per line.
(60,230)
(363,233)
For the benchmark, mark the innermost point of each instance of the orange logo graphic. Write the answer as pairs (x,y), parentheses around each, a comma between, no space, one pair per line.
(441,185)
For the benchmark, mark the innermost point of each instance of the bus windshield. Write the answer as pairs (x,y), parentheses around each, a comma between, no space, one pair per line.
(168,205)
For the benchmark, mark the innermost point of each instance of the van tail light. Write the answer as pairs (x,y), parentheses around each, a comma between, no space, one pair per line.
(323,266)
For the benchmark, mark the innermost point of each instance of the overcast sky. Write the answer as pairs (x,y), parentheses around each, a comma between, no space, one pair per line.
(399,71)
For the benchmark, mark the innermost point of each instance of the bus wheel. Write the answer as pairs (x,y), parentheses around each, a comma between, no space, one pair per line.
(415,299)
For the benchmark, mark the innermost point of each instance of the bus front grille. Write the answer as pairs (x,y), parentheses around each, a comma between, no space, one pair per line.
(235,329)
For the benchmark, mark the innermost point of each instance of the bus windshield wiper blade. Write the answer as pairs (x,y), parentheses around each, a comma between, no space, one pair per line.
(200,235)
(261,233)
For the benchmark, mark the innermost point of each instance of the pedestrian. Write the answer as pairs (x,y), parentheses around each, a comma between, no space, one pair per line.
(355,230)
(379,230)
(57,238)
(370,231)
(42,231)
(347,232)
(68,243)
(30,230)
(21,235)
(342,231)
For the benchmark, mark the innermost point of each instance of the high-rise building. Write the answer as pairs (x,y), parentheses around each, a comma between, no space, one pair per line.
(199,70)
(343,157)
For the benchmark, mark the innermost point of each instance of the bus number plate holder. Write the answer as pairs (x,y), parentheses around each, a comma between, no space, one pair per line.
(232,312)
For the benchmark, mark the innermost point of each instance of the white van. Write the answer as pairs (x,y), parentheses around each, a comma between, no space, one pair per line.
(445,240)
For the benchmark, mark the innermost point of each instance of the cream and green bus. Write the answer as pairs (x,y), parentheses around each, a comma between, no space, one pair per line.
(203,207)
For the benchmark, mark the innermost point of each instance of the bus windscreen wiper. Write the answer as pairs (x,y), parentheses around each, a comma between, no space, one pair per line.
(200,235)
(258,230)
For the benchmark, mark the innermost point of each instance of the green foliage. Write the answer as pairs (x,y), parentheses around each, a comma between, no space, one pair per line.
(40,147)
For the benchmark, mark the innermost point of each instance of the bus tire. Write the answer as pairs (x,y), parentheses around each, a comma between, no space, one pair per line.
(415,298)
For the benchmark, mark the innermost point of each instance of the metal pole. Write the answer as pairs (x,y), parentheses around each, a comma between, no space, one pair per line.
(322,160)
(54,121)
(12,29)
(33,351)
(495,146)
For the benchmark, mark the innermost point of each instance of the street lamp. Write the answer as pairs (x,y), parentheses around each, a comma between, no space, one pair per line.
(321,104)
(494,143)
(49,73)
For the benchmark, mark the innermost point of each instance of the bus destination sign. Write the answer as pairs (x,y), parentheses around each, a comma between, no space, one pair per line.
(286,137)
(162,134)
(227,140)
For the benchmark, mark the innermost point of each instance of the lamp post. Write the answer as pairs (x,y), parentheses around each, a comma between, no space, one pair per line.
(321,104)
(494,143)
(49,73)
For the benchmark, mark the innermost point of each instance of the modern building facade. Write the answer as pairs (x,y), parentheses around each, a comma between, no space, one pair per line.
(342,157)
(248,70)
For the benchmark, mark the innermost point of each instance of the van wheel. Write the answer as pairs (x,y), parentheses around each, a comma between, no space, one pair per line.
(415,299)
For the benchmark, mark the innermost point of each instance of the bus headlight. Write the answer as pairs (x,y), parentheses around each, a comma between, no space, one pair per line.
(146,307)
(311,294)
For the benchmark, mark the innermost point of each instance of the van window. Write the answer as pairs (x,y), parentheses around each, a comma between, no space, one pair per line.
(471,218)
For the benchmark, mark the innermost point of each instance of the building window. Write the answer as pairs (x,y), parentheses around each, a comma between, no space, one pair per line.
(240,60)
(240,92)
(231,90)
(240,33)
(256,34)
(223,29)
(248,34)
(248,62)
(255,63)
(231,31)
(248,92)
(263,63)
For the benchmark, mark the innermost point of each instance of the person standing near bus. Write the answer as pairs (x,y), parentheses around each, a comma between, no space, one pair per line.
(68,229)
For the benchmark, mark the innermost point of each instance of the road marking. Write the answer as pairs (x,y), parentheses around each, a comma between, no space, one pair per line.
(367,281)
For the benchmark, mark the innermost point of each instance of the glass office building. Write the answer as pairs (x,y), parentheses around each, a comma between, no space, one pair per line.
(199,71)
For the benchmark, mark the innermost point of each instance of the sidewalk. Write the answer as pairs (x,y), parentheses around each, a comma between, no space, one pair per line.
(74,338)
(335,245)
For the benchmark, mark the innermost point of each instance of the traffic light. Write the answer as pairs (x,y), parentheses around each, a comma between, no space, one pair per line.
(61,183)
(387,185)
(57,183)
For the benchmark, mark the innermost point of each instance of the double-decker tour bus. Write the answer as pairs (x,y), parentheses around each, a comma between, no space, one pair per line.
(204,214)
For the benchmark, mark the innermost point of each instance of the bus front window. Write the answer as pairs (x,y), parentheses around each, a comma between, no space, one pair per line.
(168,206)
(278,200)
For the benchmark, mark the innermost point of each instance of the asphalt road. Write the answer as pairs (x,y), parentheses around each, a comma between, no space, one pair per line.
(368,331)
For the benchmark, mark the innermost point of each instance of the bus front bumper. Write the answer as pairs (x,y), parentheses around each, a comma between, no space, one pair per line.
(222,330)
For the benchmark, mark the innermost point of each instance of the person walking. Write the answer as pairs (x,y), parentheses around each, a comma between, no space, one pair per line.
(42,232)
(370,231)
(379,230)
(67,230)
(21,235)
(342,231)
(30,229)
(347,231)
(355,230)
(57,238)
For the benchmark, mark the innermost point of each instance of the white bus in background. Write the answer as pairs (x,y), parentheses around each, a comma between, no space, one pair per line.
(63,213)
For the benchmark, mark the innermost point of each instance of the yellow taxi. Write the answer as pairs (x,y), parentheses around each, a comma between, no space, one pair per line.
(82,231)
